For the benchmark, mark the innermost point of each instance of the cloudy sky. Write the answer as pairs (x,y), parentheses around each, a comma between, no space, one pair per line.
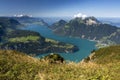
(60,8)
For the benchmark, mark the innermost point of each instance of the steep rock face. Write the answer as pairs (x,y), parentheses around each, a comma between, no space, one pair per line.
(115,37)
(88,28)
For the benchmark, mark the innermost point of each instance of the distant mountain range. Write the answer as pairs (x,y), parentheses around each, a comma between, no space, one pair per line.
(89,28)
(28,20)
(112,21)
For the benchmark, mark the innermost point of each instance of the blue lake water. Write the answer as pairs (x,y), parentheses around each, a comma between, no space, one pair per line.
(85,46)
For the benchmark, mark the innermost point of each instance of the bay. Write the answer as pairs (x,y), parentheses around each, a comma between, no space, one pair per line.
(85,46)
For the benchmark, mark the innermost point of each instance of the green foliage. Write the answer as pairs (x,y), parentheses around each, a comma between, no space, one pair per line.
(21,33)
(54,58)
(87,59)
(18,66)
(25,39)
(51,40)
(67,27)
(107,55)
(59,44)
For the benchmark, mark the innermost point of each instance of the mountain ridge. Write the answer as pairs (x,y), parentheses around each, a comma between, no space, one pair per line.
(89,28)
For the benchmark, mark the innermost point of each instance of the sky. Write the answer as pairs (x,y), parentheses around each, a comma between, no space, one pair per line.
(60,8)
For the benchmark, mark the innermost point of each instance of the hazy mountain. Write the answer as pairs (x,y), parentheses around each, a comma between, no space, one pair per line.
(27,20)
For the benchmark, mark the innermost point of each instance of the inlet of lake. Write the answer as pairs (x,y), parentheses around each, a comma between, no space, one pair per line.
(85,46)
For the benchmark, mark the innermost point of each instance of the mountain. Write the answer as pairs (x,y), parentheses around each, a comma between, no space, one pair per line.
(28,41)
(6,25)
(112,21)
(104,65)
(9,22)
(89,28)
(59,24)
(112,38)
(27,20)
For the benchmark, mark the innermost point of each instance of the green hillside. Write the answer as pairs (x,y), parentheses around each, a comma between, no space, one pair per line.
(106,55)
(18,66)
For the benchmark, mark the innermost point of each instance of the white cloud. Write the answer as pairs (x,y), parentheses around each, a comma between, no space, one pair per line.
(21,15)
(80,15)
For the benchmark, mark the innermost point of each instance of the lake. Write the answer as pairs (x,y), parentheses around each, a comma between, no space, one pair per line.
(85,46)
